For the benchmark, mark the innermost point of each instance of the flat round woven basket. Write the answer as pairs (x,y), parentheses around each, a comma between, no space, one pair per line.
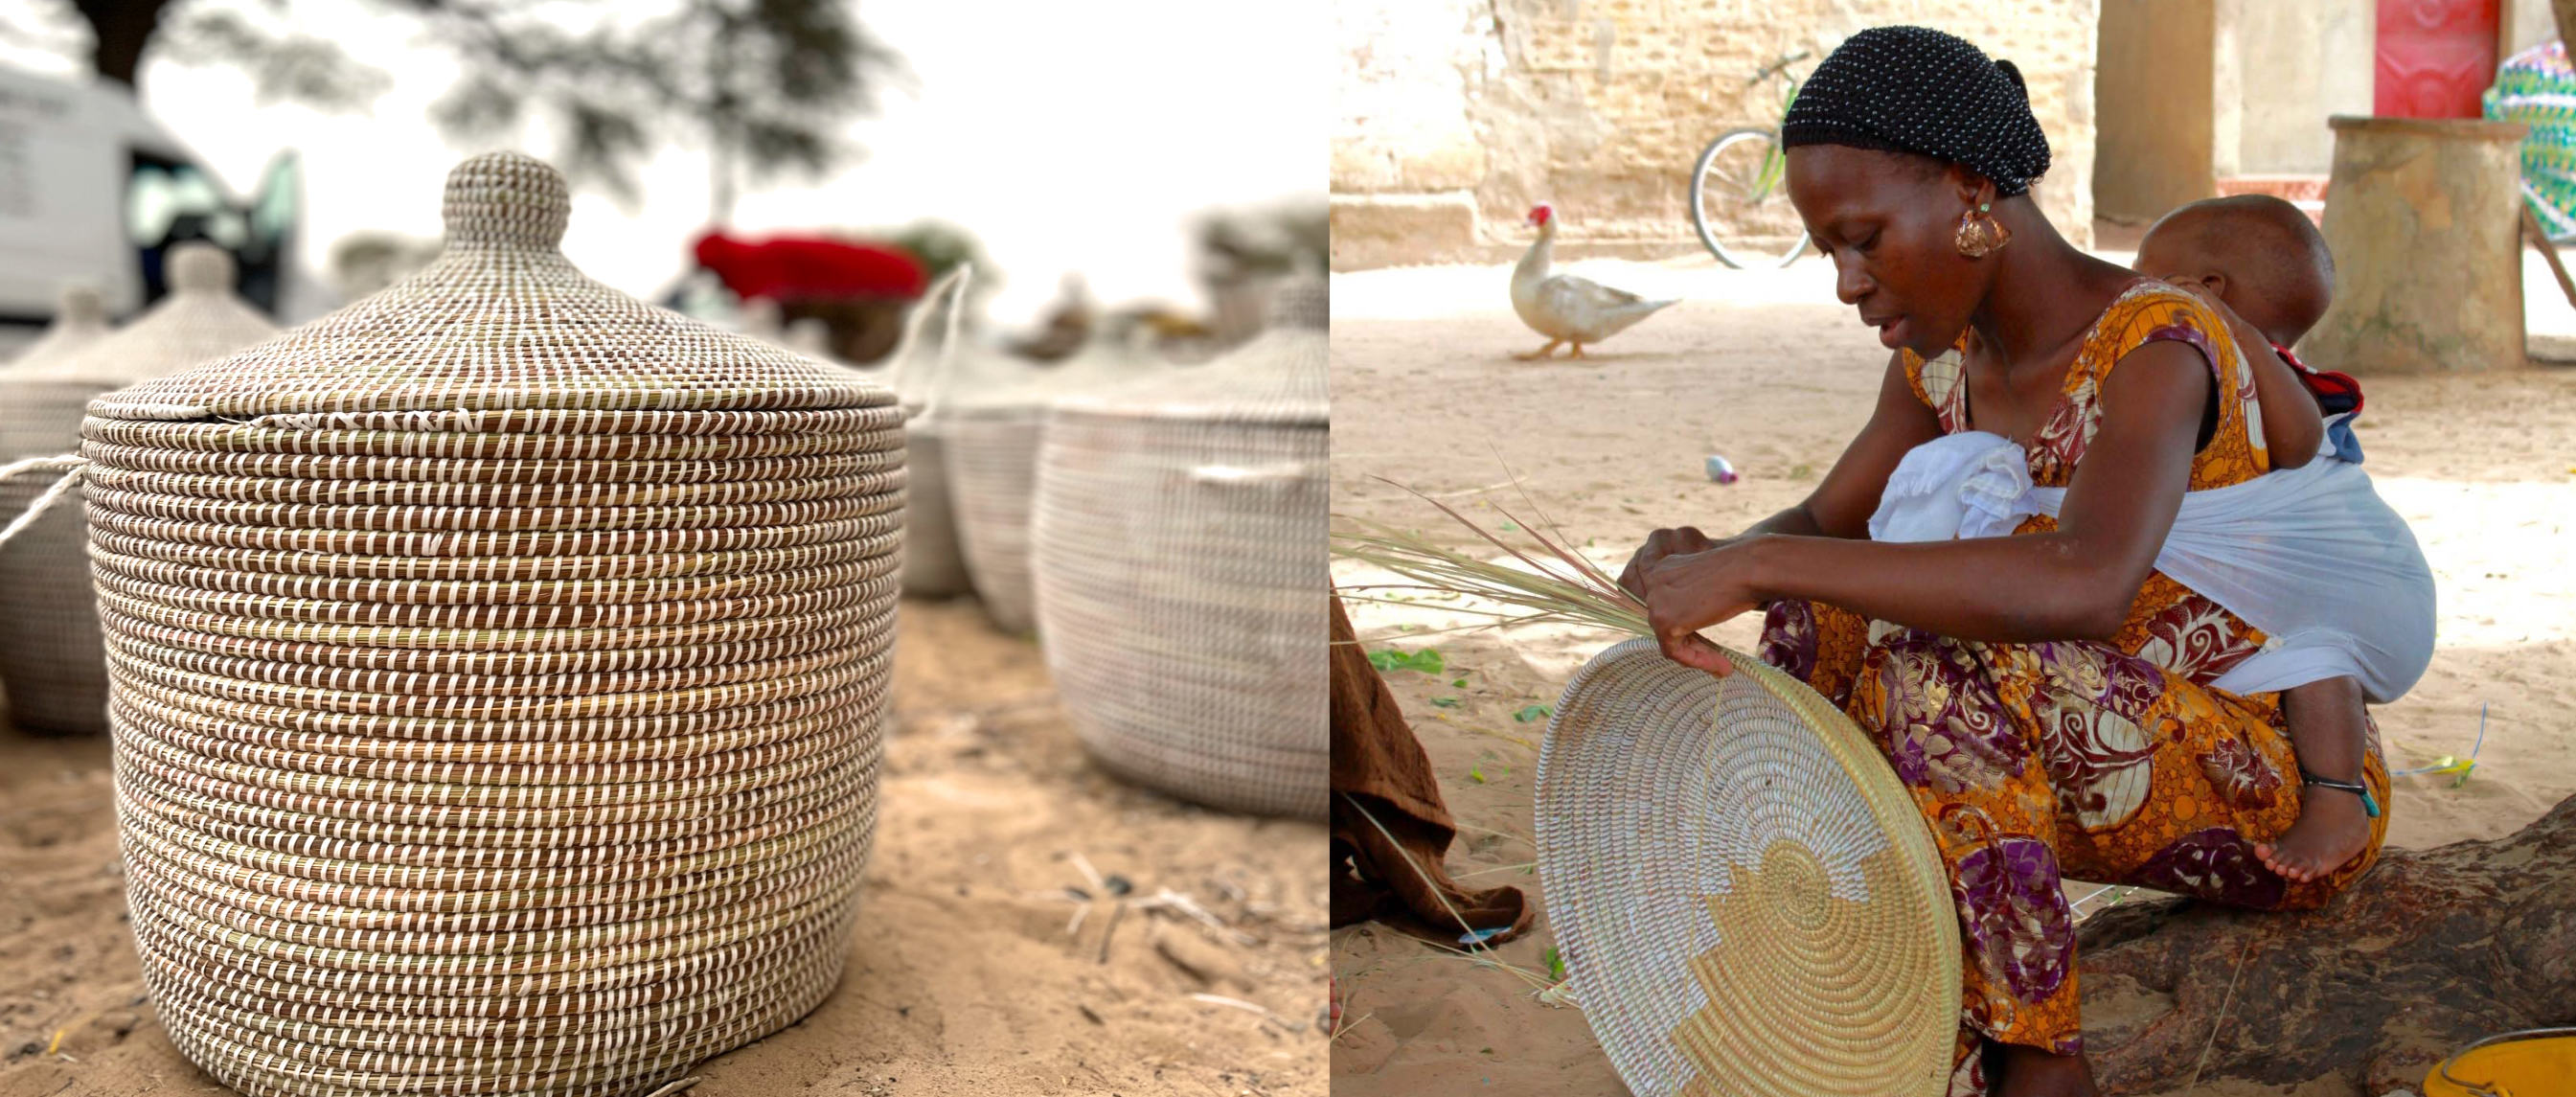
(1747,899)
(52,664)
(498,666)
(1181,561)
(991,447)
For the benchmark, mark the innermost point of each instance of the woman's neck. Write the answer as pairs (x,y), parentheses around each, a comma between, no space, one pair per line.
(2039,302)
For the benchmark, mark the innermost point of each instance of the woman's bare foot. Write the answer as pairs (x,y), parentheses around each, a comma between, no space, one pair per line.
(2332,829)
(2036,1072)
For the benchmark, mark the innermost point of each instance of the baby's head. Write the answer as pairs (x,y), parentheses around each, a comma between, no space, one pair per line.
(2257,253)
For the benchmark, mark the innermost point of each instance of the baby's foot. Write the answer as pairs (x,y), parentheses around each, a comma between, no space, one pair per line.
(2332,829)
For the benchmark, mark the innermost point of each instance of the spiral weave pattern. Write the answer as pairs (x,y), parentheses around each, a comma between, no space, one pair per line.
(499,667)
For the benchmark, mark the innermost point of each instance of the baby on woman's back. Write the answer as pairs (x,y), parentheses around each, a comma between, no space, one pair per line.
(2264,268)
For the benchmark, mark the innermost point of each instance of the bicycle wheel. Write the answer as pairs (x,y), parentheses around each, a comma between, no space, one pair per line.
(1740,203)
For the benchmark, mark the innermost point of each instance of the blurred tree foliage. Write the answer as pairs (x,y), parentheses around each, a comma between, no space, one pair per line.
(941,245)
(764,86)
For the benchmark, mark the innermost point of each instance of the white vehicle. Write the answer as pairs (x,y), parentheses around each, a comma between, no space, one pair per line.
(92,189)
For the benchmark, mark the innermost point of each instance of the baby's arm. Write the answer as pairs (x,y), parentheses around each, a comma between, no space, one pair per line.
(2293,427)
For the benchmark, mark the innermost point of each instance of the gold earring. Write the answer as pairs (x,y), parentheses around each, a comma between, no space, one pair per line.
(1980,234)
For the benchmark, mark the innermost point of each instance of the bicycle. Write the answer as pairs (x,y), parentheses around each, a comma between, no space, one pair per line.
(1737,188)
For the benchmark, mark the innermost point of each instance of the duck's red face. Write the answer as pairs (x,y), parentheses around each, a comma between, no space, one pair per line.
(1541,214)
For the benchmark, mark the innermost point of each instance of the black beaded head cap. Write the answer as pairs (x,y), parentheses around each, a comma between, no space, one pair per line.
(1918,90)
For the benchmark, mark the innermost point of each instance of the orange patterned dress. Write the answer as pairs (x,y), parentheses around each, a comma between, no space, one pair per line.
(2112,762)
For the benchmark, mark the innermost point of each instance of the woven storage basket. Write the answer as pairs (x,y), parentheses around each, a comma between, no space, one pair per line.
(990,443)
(1748,900)
(1181,566)
(933,564)
(51,661)
(498,671)
(79,320)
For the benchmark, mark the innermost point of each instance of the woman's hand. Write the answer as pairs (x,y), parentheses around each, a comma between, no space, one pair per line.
(1689,591)
(1660,544)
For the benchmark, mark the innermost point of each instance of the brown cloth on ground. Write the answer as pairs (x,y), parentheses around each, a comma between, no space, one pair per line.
(1378,763)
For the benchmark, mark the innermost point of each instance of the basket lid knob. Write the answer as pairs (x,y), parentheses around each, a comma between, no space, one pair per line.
(507,200)
(82,306)
(199,267)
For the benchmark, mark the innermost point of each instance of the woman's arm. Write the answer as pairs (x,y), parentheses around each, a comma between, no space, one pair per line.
(1842,504)
(2075,583)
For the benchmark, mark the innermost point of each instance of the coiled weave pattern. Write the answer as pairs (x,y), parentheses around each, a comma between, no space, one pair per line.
(498,672)
(1181,570)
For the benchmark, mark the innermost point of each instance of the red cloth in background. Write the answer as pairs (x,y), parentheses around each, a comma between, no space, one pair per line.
(793,267)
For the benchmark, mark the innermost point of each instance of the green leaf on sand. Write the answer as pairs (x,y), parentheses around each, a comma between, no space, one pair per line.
(1534,712)
(1445,702)
(1427,660)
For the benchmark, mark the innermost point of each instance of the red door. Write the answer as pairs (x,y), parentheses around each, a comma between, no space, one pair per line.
(2435,57)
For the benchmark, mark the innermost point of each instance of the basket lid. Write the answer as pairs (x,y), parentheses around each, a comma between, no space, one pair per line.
(1281,376)
(200,319)
(1733,869)
(500,321)
(80,319)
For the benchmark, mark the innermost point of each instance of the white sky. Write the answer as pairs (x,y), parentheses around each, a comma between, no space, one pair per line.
(1065,136)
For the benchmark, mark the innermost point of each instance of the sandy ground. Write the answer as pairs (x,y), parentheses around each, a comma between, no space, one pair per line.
(1767,370)
(962,979)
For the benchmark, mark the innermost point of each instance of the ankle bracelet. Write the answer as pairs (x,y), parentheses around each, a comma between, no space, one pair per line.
(2369,804)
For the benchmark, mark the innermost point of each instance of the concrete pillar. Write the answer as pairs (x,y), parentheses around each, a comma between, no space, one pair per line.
(2422,217)
(2154,99)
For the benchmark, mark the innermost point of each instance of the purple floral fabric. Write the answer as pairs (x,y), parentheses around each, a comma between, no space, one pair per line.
(1946,729)
(1789,638)
(2216,864)
(2013,908)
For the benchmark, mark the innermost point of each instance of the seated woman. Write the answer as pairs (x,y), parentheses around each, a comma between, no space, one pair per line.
(2048,695)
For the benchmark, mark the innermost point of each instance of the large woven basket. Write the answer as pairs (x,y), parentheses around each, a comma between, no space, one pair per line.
(79,320)
(52,663)
(1748,900)
(934,566)
(498,671)
(991,448)
(1181,570)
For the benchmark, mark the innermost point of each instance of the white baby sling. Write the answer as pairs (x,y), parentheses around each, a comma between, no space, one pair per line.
(2312,556)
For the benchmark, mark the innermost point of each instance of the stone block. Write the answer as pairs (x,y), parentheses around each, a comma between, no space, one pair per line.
(1561,45)
(2423,217)
(1623,12)
(1381,230)
(1444,161)
(1363,164)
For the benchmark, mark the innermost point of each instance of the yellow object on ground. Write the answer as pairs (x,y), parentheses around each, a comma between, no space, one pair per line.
(2537,1063)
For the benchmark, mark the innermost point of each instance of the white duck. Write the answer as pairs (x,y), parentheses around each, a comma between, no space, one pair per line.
(1566,308)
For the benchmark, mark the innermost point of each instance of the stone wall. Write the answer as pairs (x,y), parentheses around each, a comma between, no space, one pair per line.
(1456,116)
(2300,62)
